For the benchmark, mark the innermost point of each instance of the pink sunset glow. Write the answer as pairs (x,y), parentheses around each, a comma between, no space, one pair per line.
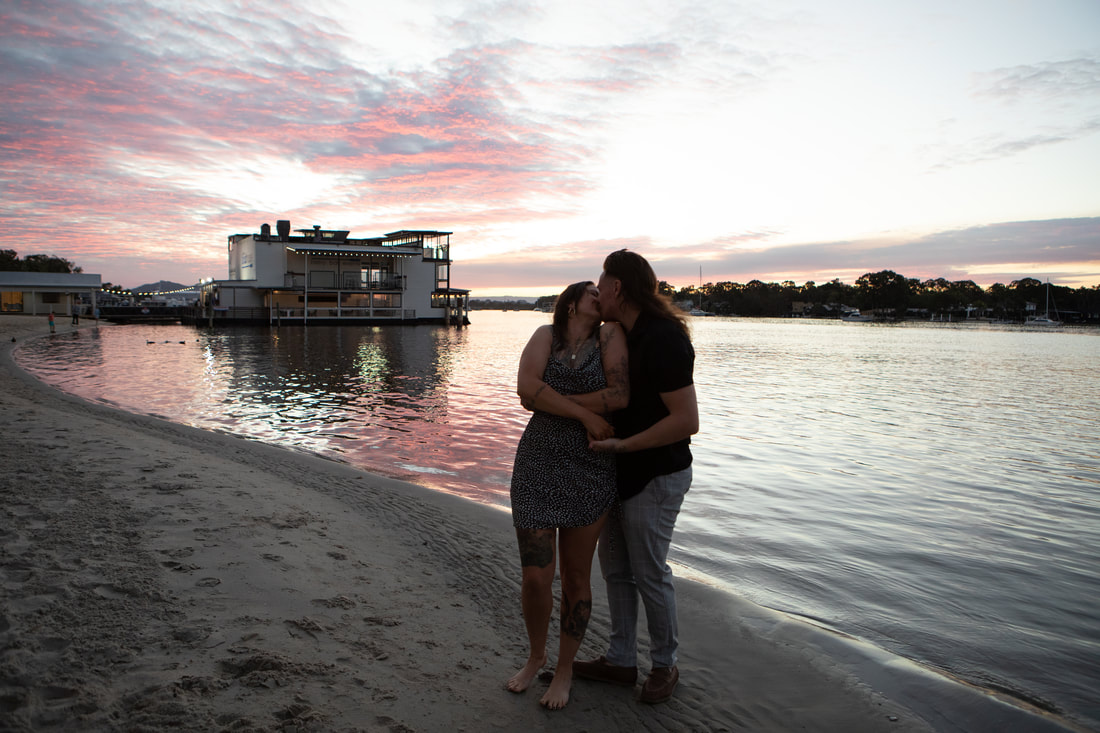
(775,142)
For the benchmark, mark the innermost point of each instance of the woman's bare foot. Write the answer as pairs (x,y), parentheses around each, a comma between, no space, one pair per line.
(558,695)
(522,679)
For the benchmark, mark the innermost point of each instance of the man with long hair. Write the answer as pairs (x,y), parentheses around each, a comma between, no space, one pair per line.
(652,447)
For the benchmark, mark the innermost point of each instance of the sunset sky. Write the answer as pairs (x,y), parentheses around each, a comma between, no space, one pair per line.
(773,140)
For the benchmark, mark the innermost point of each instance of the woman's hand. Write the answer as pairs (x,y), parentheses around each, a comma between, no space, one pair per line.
(597,427)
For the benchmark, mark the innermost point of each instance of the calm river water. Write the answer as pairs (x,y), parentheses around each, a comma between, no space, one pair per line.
(933,489)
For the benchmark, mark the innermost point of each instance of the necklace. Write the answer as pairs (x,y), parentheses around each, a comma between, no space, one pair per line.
(577,349)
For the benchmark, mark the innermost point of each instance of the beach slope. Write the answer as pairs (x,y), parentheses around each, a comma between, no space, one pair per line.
(155,577)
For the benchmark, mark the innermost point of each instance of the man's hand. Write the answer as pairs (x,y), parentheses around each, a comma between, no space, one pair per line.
(610,445)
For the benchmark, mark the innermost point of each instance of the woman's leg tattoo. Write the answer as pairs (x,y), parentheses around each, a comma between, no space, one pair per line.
(574,618)
(536,549)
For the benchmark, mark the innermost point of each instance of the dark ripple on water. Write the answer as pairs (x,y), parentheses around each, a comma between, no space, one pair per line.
(932,490)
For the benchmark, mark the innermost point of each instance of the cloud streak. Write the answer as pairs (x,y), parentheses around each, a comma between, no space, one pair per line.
(976,253)
(136,136)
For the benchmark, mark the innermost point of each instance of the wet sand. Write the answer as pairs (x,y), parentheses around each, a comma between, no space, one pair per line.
(157,577)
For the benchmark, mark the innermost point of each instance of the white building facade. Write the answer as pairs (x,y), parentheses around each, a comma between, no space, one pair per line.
(323,275)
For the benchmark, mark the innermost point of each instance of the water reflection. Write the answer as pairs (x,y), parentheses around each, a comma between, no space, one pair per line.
(374,396)
(340,366)
(383,398)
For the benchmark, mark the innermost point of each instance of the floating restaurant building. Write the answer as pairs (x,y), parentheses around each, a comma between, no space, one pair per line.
(317,276)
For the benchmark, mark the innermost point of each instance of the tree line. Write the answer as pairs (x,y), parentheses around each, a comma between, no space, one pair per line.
(888,294)
(488,304)
(884,293)
(11,262)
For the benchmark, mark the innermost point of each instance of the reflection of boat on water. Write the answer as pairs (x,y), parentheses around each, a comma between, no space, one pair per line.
(854,316)
(1045,319)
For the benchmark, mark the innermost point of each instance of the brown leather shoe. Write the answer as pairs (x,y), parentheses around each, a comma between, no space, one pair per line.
(659,685)
(602,670)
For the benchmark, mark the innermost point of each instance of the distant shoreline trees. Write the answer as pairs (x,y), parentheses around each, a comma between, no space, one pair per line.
(11,262)
(484,304)
(890,295)
(885,293)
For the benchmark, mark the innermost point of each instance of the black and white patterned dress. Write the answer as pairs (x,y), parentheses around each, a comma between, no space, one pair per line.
(557,481)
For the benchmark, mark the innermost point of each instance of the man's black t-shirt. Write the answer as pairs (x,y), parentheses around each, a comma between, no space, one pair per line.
(662,359)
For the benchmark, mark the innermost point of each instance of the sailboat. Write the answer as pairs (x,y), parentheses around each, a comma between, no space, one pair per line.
(698,309)
(1045,319)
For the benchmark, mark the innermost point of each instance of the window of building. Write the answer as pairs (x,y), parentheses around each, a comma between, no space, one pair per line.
(386,300)
(437,248)
(354,300)
(322,279)
(378,276)
(11,302)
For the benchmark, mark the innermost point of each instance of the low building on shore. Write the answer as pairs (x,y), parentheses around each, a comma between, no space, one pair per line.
(316,276)
(38,293)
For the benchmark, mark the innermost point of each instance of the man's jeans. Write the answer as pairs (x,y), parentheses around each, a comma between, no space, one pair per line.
(633,553)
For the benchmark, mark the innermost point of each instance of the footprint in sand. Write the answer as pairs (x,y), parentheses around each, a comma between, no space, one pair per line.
(382,621)
(306,624)
(335,602)
(114,592)
(191,634)
(57,693)
(53,644)
(179,567)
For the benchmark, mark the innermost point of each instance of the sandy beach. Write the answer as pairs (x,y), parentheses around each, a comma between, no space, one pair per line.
(158,577)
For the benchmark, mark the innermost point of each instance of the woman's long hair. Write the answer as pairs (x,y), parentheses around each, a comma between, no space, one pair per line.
(639,286)
(568,299)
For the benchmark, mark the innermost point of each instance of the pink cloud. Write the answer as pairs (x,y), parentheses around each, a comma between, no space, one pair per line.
(99,98)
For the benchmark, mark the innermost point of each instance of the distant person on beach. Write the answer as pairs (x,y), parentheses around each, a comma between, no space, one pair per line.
(53,325)
(653,464)
(561,490)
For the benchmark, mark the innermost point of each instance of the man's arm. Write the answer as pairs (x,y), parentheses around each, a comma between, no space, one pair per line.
(681,422)
(613,353)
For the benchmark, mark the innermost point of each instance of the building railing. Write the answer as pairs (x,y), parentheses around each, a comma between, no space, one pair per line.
(298,282)
(139,313)
(349,312)
(264,314)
